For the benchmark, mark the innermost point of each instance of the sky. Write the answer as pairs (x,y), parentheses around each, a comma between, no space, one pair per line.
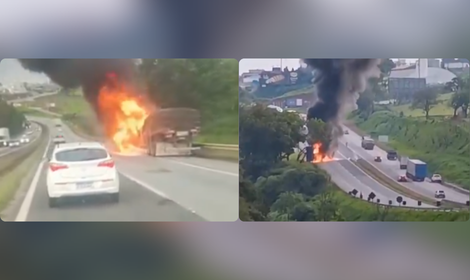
(267,63)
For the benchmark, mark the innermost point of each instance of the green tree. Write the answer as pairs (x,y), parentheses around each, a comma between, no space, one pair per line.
(266,137)
(365,103)
(209,85)
(459,99)
(11,118)
(425,99)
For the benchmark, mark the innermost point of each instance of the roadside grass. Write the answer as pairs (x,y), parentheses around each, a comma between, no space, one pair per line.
(441,109)
(11,181)
(35,113)
(223,130)
(425,140)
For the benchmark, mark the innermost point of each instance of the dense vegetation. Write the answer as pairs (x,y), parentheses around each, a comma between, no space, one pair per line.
(209,85)
(441,141)
(11,118)
(274,186)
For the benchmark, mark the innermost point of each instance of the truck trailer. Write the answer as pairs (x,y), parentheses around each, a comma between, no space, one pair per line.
(171,132)
(403,162)
(416,170)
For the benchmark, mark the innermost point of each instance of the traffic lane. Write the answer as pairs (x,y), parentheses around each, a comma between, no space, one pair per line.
(212,164)
(208,187)
(7,150)
(136,204)
(348,176)
(392,169)
(210,193)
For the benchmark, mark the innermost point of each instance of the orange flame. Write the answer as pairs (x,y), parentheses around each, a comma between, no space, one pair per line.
(318,156)
(123,116)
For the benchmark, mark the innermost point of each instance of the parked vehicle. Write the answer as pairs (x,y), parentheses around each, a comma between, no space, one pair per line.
(392,155)
(368,143)
(402,179)
(440,194)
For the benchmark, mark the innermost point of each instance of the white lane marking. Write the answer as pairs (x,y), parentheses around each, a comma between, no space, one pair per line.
(204,168)
(155,191)
(26,205)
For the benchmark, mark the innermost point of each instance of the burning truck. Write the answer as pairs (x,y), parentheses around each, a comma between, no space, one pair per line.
(171,132)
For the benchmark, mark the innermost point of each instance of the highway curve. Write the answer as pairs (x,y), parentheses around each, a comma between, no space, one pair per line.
(152,189)
(392,169)
(348,177)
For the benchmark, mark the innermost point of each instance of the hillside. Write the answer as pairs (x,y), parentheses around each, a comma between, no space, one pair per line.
(443,144)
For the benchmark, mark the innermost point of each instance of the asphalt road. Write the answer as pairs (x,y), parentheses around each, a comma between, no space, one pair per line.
(32,137)
(152,189)
(348,177)
(392,169)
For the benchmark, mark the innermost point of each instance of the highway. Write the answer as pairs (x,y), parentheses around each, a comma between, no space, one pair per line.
(392,169)
(35,132)
(152,189)
(348,177)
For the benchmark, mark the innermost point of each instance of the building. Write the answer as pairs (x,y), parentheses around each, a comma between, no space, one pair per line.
(301,101)
(458,66)
(421,69)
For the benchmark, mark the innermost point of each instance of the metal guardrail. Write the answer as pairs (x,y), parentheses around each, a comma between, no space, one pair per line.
(226,147)
(217,151)
(12,159)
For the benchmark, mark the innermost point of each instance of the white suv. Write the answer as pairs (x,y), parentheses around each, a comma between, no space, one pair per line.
(436,178)
(81,169)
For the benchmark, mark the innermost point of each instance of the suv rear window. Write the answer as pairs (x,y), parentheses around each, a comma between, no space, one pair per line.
(81,154)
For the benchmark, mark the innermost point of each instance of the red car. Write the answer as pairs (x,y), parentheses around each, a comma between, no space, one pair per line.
(402,179)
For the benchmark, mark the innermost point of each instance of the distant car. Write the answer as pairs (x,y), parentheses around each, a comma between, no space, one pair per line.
(14,143)
(24,140)
(346,131)
(3,143)
(436,178)
(402,179)
(59,129)
(378,159)
(81,169)
(440,194)
(59,139)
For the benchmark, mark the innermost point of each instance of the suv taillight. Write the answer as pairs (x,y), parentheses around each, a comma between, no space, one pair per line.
(56,166)
(107,163)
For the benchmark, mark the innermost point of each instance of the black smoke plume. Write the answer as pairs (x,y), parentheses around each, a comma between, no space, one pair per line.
(90,74)
(338,83)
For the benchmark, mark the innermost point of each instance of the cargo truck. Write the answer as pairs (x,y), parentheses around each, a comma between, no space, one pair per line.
(416,170)
(403,161)
(4,136)
(368,143)
(171,132)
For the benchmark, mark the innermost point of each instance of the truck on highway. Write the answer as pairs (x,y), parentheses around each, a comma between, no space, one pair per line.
(4,136)
(171,132)
(368,143)
(403,161)
(416,170)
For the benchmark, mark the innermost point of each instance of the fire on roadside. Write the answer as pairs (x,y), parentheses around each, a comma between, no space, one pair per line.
(318,155)
(123,114)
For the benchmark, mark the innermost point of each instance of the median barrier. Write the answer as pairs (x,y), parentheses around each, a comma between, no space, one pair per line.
(12,159)
(217,151)
(407,207)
